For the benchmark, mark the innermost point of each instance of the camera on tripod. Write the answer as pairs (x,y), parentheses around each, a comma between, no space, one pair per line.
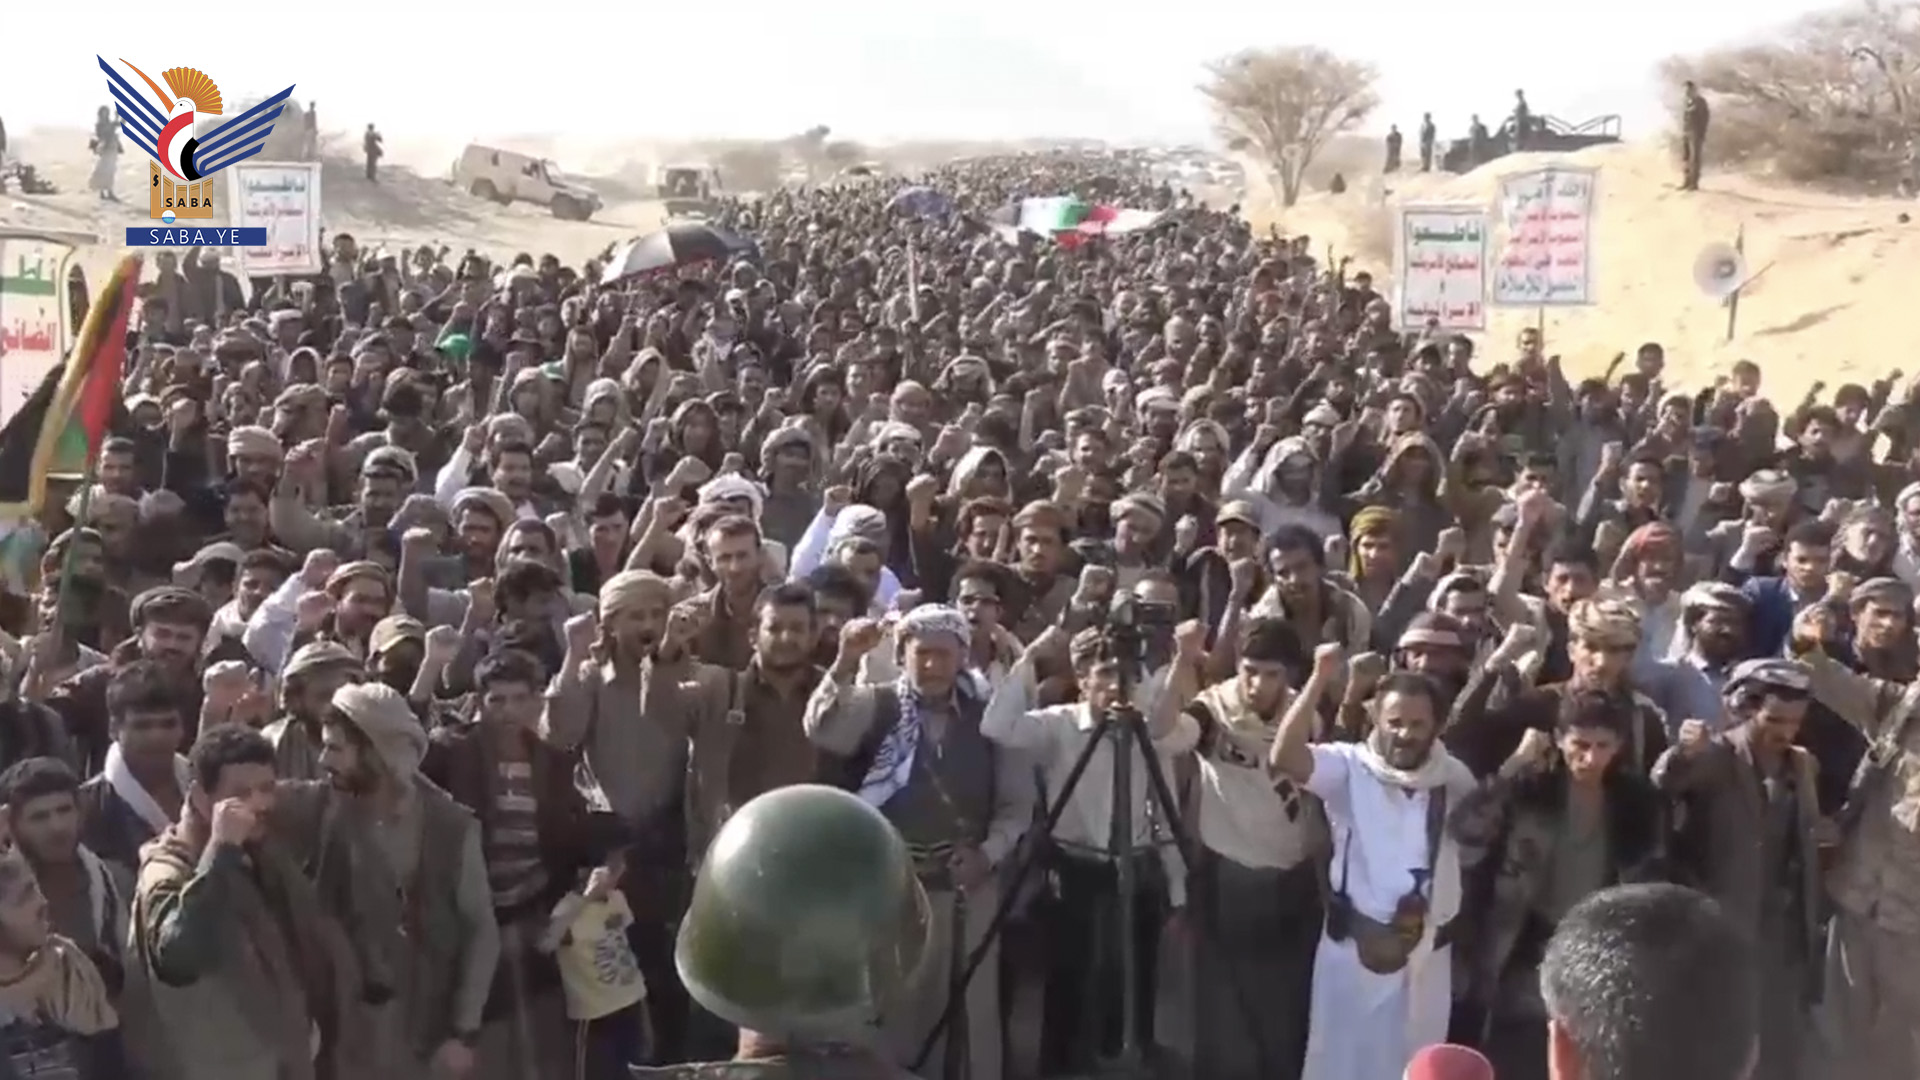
(1139,633)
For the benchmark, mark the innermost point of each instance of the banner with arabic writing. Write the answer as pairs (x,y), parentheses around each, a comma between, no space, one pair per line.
(284,199)
(1440,268)
(33,325)
(1545,246)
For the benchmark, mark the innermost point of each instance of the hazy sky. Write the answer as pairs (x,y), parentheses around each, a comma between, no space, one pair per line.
(870,69)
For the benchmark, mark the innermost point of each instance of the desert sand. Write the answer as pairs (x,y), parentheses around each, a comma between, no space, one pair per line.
(1836,273)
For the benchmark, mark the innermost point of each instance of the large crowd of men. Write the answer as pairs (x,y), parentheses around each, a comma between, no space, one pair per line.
(428,621)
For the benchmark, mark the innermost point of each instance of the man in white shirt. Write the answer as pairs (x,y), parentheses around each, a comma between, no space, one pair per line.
(1382,984)
(1084,990)
(1254,893)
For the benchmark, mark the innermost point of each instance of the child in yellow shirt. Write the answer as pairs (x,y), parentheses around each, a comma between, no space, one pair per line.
(601,980)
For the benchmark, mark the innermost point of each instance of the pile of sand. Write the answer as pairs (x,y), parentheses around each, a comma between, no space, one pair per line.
(1836,273)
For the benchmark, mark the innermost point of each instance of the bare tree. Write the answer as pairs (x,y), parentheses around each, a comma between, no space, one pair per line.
(1282,105)
(1834,96)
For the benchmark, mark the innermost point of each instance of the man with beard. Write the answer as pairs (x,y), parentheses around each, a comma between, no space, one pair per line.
(437,948)
(1137,521)
(386,475)
(1040,537)
(731,550)
(1602,636)
(240,973)
(1381,976)
(839,596)
(1712,639)
(917,751)
(169,625)
(1438,646)
(1319,610)
(144,783)
(1758,856)
(1254,889)
(623,699)
(759,742)
(1085,932)
(87,897)
(307,686)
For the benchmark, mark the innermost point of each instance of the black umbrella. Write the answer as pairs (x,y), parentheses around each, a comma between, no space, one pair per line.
(675,246)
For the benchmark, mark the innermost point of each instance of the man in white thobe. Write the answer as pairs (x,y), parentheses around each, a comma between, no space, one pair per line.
(1382,980)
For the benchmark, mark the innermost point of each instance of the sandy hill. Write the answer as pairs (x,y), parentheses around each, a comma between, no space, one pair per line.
(1829,305)
(412,203)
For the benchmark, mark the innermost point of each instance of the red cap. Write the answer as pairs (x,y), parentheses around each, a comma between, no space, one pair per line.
(1445,1061)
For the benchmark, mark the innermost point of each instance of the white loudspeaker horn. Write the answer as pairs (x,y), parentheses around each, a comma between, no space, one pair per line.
(1719,270)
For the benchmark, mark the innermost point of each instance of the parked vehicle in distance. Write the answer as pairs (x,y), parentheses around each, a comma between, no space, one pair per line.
(508,176)
(688,190)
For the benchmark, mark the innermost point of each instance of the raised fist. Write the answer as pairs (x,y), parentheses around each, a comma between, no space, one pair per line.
(860,637)
(1329,660)
(922,490)
(1367,669)
(320,565)
(311,610)
(480,604)
(582,632)
(1693,736)
(1243,573)
(1096,585)
(443,644)
(1755,539)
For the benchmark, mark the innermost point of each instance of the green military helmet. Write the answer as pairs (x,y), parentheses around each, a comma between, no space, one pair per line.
(806,919)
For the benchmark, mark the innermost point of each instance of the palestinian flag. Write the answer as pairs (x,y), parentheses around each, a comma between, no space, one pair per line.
(59,430)
(1069,220)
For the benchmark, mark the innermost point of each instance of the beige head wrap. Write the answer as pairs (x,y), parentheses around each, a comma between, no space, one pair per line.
(492,500)
(624,589)
(319,654)
(337,584)
(253,439)
(388,722)
(1604,622)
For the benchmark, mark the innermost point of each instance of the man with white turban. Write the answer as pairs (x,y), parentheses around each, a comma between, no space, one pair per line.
(915,751)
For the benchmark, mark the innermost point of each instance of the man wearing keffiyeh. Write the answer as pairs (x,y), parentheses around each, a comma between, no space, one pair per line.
(915,751)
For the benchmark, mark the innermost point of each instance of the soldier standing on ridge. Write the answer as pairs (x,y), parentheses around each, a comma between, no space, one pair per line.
(371,144)
(813,857)
(1426,142)
(1694,116)
(1394,140)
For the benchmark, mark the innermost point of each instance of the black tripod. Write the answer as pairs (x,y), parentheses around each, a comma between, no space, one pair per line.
(1126,731)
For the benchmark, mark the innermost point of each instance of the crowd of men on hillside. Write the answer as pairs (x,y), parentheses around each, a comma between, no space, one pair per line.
(430,617)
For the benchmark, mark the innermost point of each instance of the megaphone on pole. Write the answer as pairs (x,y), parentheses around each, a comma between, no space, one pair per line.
(1719,271)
